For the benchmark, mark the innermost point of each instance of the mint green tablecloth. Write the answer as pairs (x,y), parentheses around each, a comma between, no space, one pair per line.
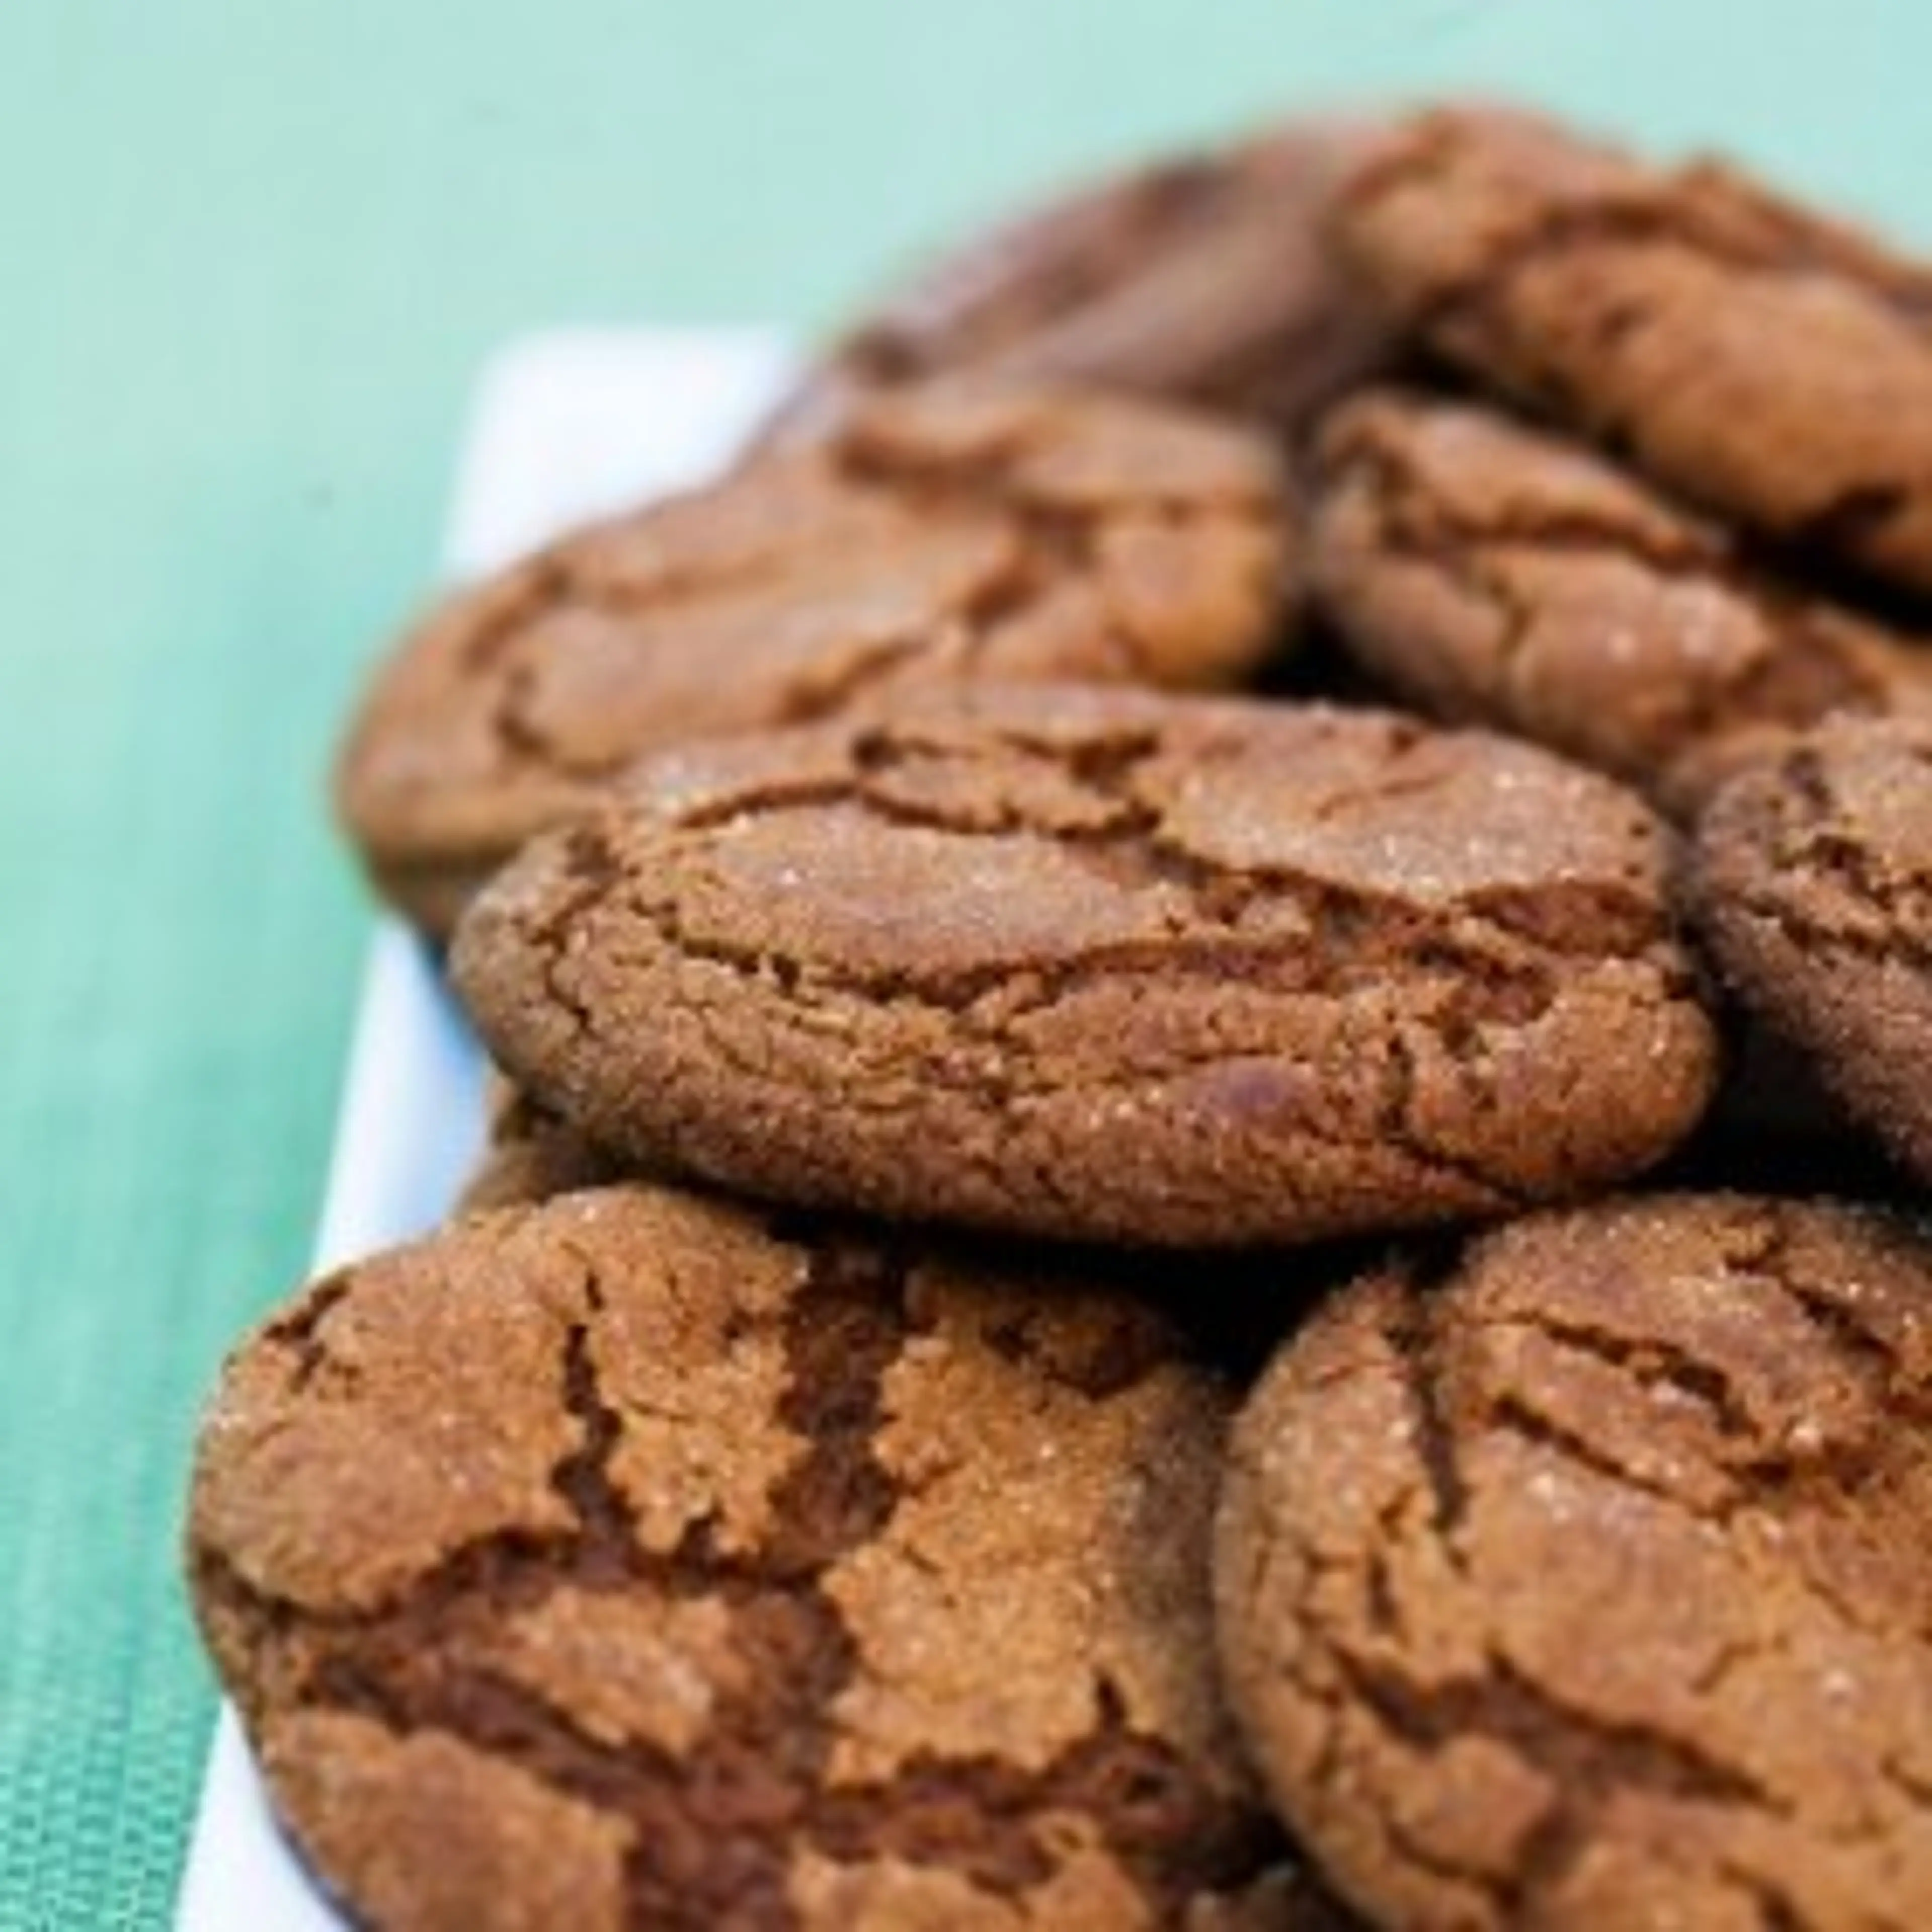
(250,253)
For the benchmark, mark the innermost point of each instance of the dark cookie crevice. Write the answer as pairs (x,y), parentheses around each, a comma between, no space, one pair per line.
(300,1330)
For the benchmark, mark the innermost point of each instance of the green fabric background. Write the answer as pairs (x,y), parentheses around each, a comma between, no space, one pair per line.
(251,252)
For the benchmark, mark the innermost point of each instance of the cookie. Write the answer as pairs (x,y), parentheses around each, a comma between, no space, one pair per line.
(1812,875)
(625,1562)
(1106,966)
(1493,574)
(939,537)
(1576,1576)
(1206,278)
(530,1155)
(1768,363)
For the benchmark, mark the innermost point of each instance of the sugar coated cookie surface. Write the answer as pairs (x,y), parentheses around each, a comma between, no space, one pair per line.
(625,1562)
(1575,1575)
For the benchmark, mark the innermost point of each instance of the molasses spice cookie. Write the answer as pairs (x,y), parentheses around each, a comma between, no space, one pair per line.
(1497,575)
(1813,876)
(1207,277)
(1768,362)
(622,1563)
(941,536)
(1106,966)
(1577,1577)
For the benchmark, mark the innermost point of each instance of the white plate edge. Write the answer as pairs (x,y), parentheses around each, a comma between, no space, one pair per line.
(568,424)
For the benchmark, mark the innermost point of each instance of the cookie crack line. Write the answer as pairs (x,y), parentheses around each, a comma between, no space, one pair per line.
(1839,857)
(1514,1412)
(300,1330)
(1777,1910)
(1131,844)
(1623,924)
(712,1828)
(1415,520)
(1054,541)
(1856,513)
(1099,768)
(1513,999)
(1143,1795)
(1414,517)
(992,480)
(1807,932)
(1416,1346)
(1857,1346)
(1635,216)
(1396,1127)
(806,697)
(1586,1759)
(1651,1360)
(1519,990)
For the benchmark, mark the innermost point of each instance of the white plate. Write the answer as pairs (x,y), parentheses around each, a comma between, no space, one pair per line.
(566,425)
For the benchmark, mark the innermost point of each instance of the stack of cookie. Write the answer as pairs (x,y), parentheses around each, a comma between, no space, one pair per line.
(1139,1267)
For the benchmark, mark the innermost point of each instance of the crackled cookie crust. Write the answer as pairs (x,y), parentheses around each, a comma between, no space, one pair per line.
(625,1563)
(1105,965)
(941,536)
(1576,1576)
(1813,880)
(1768,362)
(1497,575)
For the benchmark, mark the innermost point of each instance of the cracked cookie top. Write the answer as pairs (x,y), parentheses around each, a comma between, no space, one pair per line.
(1766,362)
(943,535)
(1812,877)
(1106,965)
(1498,575)
(1208,278)
(628,1562)
(1578,1577)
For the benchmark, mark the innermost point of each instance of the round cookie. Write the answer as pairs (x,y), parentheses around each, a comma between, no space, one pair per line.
(1207,277)
(1812,877)
(1767,362)
(1106,965)
(942,535)
(1577,1577)
(530,1155)
(626,1562)
(1494,574)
